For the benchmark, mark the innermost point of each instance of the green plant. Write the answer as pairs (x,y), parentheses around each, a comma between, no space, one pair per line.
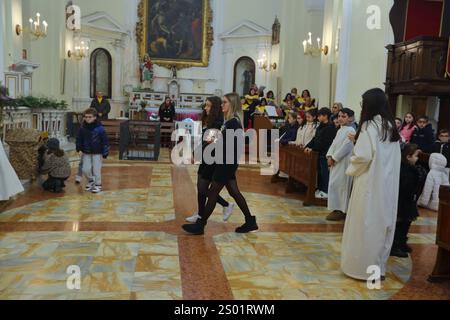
(41,103)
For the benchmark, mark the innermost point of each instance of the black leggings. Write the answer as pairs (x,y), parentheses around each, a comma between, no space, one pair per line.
(202,195)
(213,198)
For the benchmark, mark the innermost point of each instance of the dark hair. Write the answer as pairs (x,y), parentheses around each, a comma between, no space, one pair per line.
(324,112)
(375,103)
(215,114)
(288,97)
(443,131)
(399,120)
(410,125)
(349,112)
(408,150)
(307,91)
(263,100)
(270,93)
(424,118)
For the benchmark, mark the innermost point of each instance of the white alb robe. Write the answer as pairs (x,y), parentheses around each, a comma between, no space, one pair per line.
(9,182)
(372,214)
(340,186)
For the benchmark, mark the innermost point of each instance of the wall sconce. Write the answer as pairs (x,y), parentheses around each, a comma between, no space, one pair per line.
(263,64)
(36,29)
(81,50)
(310,49)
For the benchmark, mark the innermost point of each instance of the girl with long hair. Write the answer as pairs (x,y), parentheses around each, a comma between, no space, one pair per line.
(212,120)
(225,172)
(408,127)
(375,167)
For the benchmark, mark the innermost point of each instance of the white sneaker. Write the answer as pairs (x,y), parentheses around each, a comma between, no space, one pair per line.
(322,195)
(96,189)
(317,193)
(78,179)
(193,218)
(228,211)
(89,186)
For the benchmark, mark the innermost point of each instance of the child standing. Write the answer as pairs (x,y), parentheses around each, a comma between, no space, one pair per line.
(325,134)
(436,178)
(307,130)
(423,135)
(408,127)
(338,161)
(442,146)
(291,129)
(92,141)
(412,178)
(56,165)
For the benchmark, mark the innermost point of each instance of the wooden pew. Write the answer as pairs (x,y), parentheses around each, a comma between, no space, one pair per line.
(442,269)
(167,128)
(302,168)
(112,128)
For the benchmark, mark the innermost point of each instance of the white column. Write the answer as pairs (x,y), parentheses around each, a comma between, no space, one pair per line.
(2,42)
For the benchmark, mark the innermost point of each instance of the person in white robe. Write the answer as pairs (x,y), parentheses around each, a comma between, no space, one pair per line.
(339,160)
(372,214)
(9,182)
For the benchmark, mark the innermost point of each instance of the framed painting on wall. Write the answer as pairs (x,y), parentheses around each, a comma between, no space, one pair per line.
(175,33)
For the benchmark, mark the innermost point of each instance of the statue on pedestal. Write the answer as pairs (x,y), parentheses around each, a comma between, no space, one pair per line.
(147,72)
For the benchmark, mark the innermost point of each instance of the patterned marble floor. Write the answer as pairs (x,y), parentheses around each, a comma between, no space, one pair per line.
(128,244)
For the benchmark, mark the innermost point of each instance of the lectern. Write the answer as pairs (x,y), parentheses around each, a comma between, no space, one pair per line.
(442,269)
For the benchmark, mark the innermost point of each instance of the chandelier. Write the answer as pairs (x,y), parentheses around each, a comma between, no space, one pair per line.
(81,50)
(36,29)
(310,49)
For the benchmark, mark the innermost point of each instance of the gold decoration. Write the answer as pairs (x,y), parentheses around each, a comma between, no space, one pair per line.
(207,41)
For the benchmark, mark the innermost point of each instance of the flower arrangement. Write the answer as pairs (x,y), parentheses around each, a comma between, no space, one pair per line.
(41,103)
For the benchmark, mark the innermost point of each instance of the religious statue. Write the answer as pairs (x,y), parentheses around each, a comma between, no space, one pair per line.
(174,71)
(147,72)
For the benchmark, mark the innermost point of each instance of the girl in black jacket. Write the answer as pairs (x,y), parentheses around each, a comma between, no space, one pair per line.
(412,179)
(212,121)
(225,171)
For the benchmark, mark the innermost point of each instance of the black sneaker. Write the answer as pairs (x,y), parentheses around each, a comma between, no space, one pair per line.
(196,229)
(399,253)
(249,226)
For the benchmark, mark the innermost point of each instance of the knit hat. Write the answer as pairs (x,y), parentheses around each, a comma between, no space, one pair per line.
(53,144)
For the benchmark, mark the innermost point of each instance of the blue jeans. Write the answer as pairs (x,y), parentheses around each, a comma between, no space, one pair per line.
(323,175)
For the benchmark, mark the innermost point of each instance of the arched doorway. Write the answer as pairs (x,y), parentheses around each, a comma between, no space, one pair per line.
(101,72)
(244,75)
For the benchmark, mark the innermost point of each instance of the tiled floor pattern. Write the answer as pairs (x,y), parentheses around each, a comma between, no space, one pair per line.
(113,265)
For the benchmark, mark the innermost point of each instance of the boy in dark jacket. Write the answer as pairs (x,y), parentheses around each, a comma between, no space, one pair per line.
(442,146)
(92,141)
(325,134)
(423,135)
(412,180)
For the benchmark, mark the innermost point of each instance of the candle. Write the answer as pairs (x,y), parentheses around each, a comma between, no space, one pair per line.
(310,38)
(38,15)
(45,26)
(304,45)
(318,43)
(31,24)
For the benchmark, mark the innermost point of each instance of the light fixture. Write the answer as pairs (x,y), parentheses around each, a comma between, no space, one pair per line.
(36,29)
(310,49)
(263,64)
(81,50)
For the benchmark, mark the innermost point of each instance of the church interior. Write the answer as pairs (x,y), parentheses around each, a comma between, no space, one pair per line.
(96,100)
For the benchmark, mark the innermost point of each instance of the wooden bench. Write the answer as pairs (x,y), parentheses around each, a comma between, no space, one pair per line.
(301,168)
(167,128)
(442,269)
(112,128)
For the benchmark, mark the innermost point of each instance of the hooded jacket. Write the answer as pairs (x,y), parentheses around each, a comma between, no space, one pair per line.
(437,177)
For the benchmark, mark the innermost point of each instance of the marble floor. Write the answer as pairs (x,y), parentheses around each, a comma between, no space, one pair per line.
(126,244)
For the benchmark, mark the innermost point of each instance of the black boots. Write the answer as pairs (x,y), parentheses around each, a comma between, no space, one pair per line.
(396,251)
(196,229)
(249,226)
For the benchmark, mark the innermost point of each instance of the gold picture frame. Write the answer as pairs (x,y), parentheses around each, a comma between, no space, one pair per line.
(142,36)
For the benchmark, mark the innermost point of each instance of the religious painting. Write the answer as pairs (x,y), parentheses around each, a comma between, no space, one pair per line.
(175,33)
(244,75)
